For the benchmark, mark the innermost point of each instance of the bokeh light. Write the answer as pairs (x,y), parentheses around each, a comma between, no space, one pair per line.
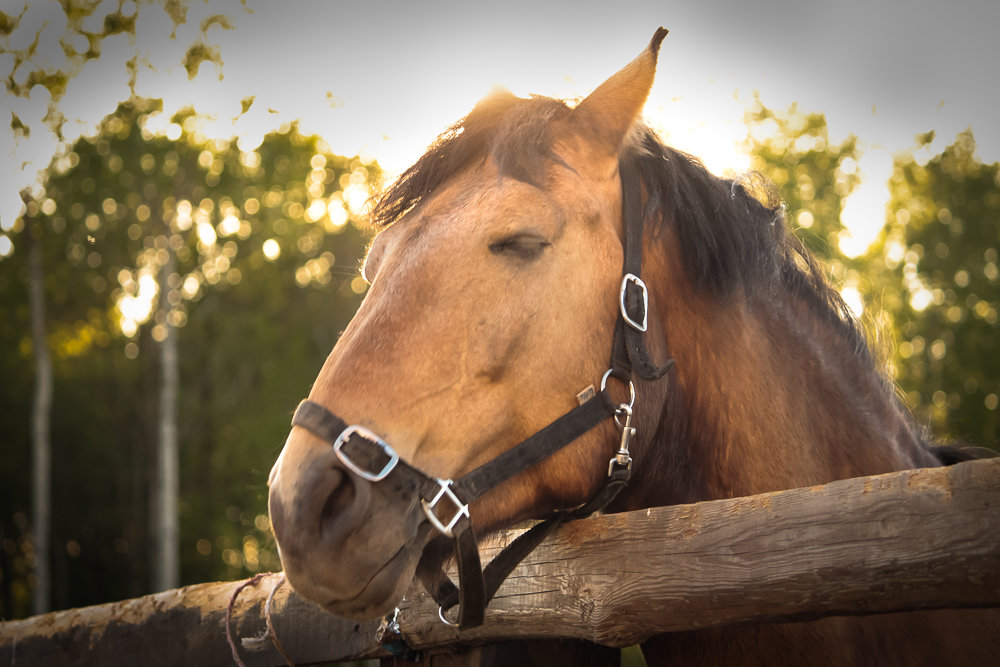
(271,249)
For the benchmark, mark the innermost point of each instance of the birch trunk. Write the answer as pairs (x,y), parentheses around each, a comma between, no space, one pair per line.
(166,537)
(41,409)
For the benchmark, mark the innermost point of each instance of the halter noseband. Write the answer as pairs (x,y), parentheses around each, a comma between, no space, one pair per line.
(446,502)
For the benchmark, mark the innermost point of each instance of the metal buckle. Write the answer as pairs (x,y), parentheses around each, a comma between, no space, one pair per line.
(637,281)
(362,432)
(462,509)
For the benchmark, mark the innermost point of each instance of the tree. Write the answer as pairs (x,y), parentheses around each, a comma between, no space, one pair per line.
(792,150)
(929,284)
(54,55)
(941,246)
(45,46)
(265,276)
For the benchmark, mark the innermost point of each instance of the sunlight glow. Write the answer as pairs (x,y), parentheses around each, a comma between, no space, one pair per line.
(206,233)
(852,297)
(316,210)
(138,302)
(190,287)
(921,299)
(183,218)
(356,195)
(336,212)
(864,210)
(271,249)
(717,140)
(230,225)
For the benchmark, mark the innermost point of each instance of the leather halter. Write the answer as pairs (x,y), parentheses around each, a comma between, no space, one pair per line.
(446,502)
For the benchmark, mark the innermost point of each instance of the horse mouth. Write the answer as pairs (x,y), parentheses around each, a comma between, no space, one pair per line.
(376,596)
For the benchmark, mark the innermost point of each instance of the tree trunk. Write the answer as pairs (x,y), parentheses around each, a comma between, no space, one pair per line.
(41,444)
(166,566)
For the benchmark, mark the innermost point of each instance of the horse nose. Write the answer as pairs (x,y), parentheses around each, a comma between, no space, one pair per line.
(314,503)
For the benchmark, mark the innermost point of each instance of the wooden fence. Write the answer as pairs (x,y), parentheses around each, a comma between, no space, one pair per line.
(918,539)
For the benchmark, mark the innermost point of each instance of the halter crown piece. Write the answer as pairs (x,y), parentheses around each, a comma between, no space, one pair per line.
(446,502)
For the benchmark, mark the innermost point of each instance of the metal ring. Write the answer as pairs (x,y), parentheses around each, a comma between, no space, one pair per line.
(443,619)
(631,387)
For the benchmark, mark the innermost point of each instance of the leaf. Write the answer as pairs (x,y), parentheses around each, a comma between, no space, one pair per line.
(197,54)
(177,10)
(216,19)
(19,128)
(7,24)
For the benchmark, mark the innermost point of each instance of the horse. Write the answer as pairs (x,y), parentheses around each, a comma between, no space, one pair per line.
(496,293)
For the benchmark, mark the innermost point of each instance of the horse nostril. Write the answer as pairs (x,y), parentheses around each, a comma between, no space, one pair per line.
(337,509)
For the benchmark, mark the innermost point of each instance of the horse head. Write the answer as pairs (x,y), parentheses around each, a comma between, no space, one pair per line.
(494,291)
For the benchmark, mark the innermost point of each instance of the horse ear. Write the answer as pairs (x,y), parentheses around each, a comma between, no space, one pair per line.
(606,114)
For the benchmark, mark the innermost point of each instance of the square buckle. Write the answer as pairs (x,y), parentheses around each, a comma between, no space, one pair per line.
(637,281)
(364,433)
(460,511)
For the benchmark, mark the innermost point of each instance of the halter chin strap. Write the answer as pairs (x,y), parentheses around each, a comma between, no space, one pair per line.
(446,502)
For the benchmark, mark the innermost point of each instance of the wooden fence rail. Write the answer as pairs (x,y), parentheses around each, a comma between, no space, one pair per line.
(918,539)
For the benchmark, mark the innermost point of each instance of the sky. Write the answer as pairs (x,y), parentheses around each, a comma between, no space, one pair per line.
(384,78)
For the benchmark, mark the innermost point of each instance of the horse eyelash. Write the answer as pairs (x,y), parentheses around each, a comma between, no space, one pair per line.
(523,246)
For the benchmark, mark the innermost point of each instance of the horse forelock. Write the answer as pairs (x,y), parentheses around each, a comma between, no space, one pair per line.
(514,132)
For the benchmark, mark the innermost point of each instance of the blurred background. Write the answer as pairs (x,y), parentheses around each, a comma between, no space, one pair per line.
(182,194)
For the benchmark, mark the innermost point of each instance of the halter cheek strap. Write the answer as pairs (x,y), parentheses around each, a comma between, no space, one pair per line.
(628,351)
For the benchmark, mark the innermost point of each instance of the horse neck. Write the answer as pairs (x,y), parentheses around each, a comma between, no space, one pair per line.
(767,394)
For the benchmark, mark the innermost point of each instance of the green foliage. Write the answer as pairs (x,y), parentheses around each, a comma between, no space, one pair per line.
(87,24)
(941,246)
(33,63)
(45,45)
(930,283)
(197,54)
(792,150)
(265,256)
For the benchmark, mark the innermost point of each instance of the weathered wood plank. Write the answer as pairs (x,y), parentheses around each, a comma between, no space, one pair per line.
(920,539)
(184,626)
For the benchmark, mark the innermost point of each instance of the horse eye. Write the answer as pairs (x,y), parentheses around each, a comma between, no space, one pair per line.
(524,247)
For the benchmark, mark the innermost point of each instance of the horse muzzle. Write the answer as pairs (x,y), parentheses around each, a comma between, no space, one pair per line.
(344,543)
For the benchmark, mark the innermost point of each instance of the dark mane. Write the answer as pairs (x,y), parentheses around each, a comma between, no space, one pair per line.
(731,233)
